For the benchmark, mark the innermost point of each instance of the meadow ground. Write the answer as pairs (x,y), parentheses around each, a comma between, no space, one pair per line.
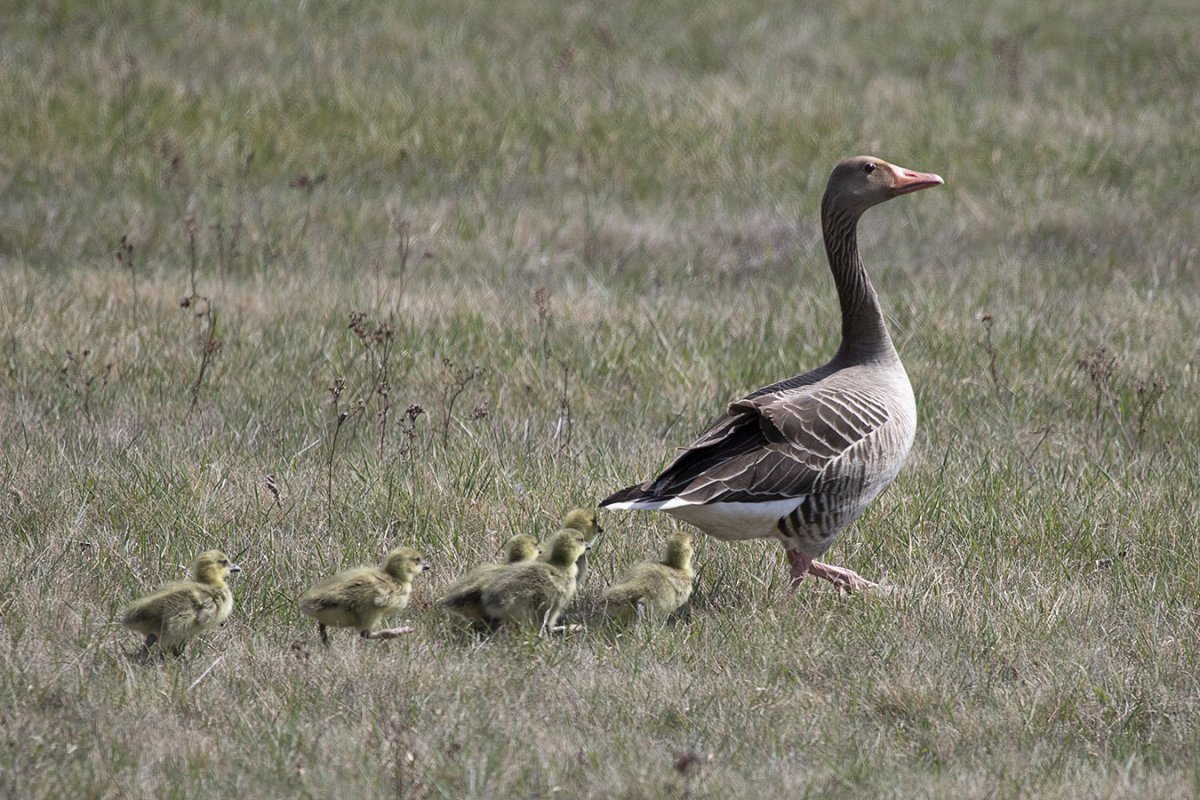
(523,251)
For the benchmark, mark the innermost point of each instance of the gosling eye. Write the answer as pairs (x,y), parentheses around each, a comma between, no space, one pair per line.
(869,167)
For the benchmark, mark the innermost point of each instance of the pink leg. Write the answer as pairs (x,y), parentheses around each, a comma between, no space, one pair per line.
(846,579)
(800,566)
(388,633)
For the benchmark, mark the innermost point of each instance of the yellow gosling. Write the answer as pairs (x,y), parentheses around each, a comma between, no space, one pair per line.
(177,611)
(586,522)
(535,593)
(653,590)
(362,597)
(465,596)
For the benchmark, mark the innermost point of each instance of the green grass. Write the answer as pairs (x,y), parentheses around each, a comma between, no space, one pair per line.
(610,210)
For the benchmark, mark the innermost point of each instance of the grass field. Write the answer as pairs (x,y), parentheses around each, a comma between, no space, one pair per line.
(524,251)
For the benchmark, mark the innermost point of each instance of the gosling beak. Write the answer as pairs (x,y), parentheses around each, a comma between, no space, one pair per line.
(234,568)
(425,567)
(908,181)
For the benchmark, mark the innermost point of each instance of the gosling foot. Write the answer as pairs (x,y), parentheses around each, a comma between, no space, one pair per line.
(388,633)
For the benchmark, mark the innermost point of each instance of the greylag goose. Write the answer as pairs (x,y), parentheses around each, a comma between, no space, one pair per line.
(802,458)
(653,590)
(535,593)
(465,595)
(177,611)
(363,596)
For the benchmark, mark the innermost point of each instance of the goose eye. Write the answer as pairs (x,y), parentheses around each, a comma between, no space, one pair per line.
(868,167)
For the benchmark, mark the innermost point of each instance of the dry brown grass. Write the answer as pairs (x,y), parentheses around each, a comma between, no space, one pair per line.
(614,219)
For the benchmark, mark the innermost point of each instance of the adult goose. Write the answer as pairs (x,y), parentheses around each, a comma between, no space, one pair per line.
(802,458)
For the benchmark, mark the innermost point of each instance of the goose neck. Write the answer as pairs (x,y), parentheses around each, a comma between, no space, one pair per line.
(864,332)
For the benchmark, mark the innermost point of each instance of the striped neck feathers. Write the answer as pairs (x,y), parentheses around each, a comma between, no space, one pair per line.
(864,333)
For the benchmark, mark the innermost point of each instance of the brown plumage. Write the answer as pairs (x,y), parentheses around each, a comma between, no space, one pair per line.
(465,596)
(653,590)
(802,458)
(362,597)
(177,611)
(535,593)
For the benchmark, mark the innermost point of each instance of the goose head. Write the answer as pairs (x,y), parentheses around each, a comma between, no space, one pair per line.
(679,551)
(521,547)
(860,182)
(404,562)
(584,521)
(213,567)
(566,547)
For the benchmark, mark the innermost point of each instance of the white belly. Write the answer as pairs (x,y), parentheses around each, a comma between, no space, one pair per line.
(736,521)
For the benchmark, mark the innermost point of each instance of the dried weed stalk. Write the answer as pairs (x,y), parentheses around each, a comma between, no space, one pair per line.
(563,428)
(378,342)
(408,429)
(454,383)
(990,349)
(83,376)
(402,229)
(341,413)
(124,255)
(201,307)
(273,488)
(1148,392)
(541,299)
(1099,366)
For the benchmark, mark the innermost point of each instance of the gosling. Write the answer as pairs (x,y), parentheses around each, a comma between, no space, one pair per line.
(179,610)
(535,593)
(361,597)
(465,596)
(653,590)
(583,520)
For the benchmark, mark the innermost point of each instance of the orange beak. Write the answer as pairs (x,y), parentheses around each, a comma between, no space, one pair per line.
(909,181)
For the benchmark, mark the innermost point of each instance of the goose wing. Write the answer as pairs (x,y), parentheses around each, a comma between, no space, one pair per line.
(767,447)
(182,598)
(359,588)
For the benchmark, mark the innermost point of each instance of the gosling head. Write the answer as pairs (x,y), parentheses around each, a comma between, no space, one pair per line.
(860,182)
(566,547)
(404,563)
(679,551)
(521,547)
(213,567)
(583,520)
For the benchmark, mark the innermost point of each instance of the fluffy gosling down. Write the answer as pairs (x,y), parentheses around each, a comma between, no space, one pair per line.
(362,597)
(465,596)
(653,590)
(583,520)
(177,611)
(535,593)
